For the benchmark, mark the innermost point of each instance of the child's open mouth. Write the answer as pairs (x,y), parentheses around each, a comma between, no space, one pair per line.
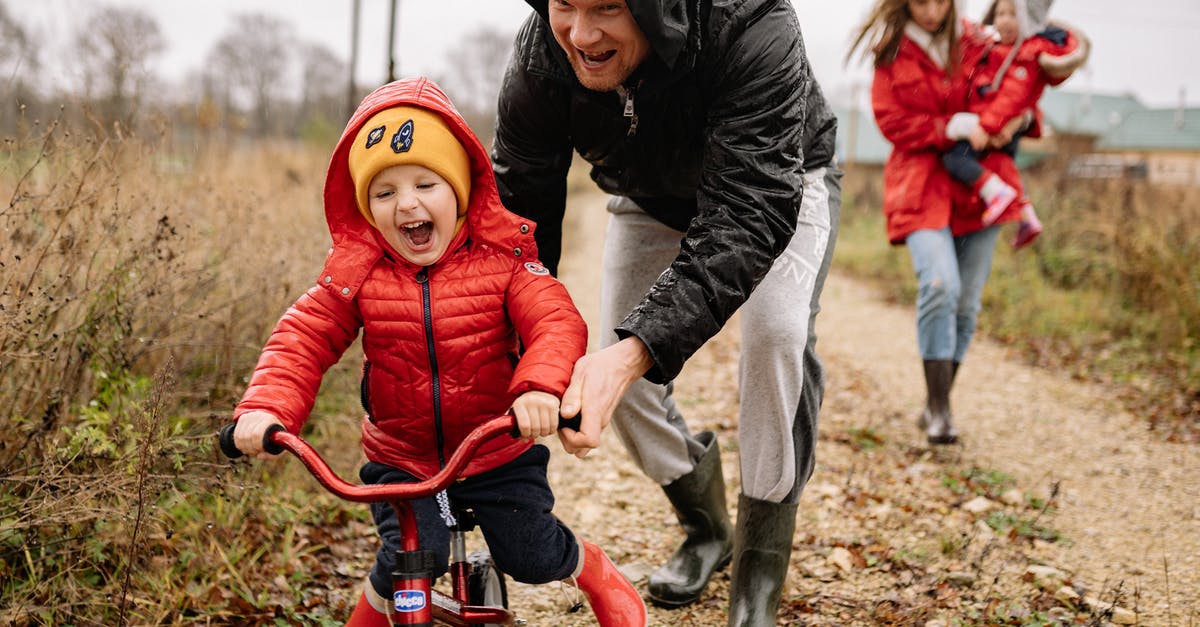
(418,234)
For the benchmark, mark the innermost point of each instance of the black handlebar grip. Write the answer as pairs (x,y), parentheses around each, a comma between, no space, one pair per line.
(231,450)
(563,423)
(571,423)
(269,445)
(225,437)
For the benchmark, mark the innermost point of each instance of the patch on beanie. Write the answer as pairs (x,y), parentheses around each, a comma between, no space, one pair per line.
(403,139)
(375,136)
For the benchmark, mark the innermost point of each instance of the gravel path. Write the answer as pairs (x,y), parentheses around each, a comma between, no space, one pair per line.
(892,532)
(1130,503)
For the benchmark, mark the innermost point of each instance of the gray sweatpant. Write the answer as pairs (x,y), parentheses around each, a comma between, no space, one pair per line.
(781,382)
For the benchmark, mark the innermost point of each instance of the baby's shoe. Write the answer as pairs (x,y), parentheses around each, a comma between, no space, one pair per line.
(1029,228)
(998,195)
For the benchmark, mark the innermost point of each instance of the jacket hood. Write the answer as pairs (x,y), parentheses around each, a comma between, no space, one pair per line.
(667,24)
(360,244)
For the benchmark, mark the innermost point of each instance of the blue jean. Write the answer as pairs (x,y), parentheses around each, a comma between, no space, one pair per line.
(951,272)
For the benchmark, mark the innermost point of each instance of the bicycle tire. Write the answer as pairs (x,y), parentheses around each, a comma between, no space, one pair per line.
(486,585)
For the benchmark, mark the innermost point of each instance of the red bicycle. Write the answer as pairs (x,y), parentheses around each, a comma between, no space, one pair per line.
(478,592)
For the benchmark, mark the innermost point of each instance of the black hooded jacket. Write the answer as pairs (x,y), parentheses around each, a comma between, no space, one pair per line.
(726,115)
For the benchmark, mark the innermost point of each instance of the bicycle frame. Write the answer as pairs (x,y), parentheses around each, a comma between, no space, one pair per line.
(414,601)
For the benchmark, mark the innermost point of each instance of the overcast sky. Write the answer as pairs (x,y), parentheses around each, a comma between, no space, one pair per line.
(1147,48)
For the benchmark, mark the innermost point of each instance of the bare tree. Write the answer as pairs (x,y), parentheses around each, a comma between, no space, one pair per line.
(17,53)
(473,81)
(115,47)
(322,76)
(252,58)
(18,59)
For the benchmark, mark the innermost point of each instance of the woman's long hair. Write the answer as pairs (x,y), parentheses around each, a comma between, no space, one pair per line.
(884,29)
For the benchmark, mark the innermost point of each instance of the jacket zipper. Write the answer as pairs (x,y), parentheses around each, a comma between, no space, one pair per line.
(427,309)
(627,93)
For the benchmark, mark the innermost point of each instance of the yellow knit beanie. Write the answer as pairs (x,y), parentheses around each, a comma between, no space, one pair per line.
(408,135)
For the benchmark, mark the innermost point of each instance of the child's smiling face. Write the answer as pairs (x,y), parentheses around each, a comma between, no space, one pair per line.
(1005,21)
(416,211)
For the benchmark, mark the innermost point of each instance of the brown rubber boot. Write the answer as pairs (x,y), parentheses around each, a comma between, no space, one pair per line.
(937,421)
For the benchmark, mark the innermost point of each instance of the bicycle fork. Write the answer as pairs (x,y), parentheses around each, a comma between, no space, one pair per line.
(412,580)
(414,601)
(459,568)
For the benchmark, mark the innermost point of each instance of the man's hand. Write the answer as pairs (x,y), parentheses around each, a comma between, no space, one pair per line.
(537,413)
(249,431)
(597,385)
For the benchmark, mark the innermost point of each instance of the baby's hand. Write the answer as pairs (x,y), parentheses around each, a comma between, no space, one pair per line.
(1010,129)
(978,138)
(249,431)
(537,413)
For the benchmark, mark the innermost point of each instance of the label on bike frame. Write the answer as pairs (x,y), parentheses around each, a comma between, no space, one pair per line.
(446,602)
(409,600)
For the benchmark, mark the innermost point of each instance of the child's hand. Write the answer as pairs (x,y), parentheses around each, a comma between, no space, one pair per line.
(537,413)
(1010,129)
(978,138)
(249,431)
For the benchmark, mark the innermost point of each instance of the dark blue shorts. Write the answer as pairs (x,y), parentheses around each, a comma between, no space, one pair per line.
(512,505)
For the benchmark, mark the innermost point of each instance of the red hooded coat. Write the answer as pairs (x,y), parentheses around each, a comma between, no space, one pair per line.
(440,342)
(1022,85)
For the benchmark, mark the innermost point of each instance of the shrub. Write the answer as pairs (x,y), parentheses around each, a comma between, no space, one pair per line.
(137,288)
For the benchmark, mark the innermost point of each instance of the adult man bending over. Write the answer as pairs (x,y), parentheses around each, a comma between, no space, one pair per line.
(705,124)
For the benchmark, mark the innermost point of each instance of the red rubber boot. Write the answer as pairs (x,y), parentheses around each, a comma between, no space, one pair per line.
(365,615)
(614,601)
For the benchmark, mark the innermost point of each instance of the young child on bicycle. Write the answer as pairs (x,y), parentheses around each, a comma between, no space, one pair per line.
(460,324)
(1026,55)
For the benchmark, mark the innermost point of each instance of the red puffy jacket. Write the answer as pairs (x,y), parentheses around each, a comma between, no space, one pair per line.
(913,99)
(1023,82)
(440,342)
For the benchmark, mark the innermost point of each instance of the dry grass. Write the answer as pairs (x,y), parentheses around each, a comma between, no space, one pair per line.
(124,269)
(1110,292)
(137,284)
(118,256)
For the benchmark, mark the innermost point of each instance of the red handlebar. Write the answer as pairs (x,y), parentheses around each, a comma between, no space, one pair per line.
(277,439)
(324,475)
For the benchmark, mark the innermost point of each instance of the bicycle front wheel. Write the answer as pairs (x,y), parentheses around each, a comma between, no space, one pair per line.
(485,585)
